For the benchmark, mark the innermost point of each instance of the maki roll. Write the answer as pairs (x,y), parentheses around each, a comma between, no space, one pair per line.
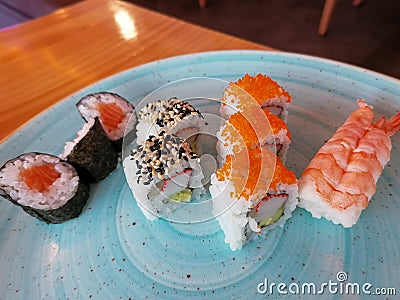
(252,128)
(252,193)
(173,116)
(163,172)
(91,152)
(268,94)
(116,114)
(45,187)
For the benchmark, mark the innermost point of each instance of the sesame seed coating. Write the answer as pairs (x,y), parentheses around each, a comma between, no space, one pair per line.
(167,113)
(161,157)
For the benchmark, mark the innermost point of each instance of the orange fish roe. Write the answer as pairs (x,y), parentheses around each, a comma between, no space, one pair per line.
(262,87)
(250,171)
(223,173)
(239,129)
(277,123)
(253,172)
(282,175)
(111,115)
(252,125)
(39,178)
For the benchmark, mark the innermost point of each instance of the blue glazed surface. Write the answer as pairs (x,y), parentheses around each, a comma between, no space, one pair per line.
(112,251)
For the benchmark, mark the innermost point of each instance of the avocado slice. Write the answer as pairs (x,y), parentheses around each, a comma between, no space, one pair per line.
(183,196)
(268,221)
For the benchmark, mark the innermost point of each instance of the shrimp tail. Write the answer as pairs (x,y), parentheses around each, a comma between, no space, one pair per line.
(361,104)
(392,125)
(380,123)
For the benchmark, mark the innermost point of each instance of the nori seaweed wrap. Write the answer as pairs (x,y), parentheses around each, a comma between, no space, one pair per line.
(45,186)
(91,153)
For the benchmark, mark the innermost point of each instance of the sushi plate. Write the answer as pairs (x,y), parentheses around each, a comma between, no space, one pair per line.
(112,251)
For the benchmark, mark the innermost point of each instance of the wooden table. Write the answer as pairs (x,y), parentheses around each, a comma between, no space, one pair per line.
(47,59)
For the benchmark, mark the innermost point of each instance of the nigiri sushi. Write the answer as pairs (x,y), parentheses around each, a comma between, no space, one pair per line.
(116,114)
(173,116)
(163,172)
(252,193)
(46,187)
(267,92)
(341,179)
(251,128)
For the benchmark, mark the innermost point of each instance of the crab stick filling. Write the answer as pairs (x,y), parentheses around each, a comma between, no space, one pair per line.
(269,209)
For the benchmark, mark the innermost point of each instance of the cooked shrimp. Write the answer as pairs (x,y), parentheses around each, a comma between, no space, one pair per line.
(341,179)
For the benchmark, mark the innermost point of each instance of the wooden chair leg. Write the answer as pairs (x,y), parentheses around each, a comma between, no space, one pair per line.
(202,3)
(326,16)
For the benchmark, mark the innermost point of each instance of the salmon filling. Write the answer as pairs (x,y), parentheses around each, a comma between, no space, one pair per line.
(39,178)
(111,115)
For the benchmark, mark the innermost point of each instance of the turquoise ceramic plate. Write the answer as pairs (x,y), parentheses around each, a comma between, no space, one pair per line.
(112,251)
